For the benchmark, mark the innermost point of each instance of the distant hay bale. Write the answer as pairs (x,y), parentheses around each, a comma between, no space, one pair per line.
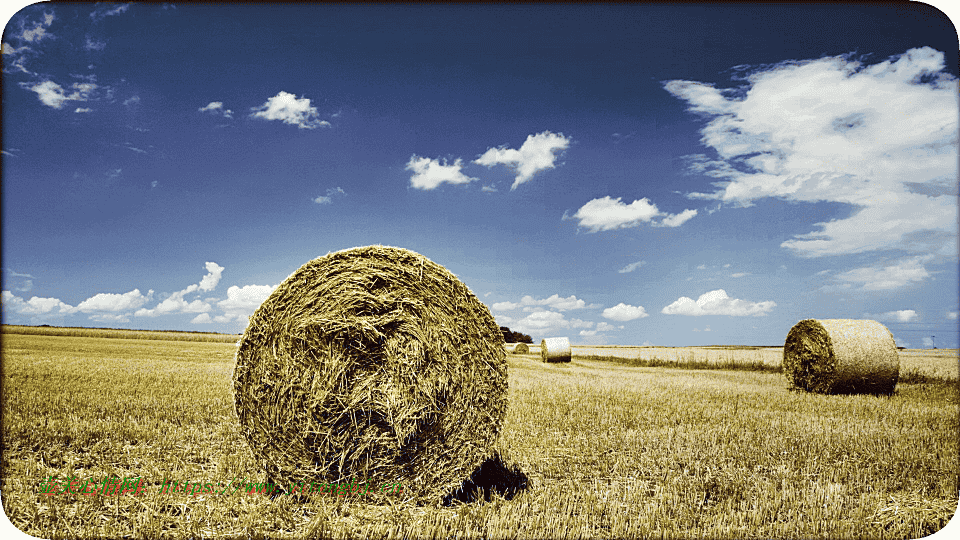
(832,356)
(372,364)
(555,349)
(521,348)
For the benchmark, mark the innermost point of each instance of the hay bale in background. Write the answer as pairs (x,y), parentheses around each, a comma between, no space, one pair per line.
(555,349)
(521,348)
(830,356)
(372,364)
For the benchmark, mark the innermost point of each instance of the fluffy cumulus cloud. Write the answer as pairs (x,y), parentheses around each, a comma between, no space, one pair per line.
(241,302)
(624,312)
(545,321)
(34,307)
(717,303)
(177,303)
(289,109)
(903,315)
(893,276)
(430,173)
(531,304)
(538,152)
(112,303)
(217,108)
(881,138)
(607,214)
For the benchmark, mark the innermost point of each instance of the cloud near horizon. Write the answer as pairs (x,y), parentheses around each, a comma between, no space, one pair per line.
(718,303)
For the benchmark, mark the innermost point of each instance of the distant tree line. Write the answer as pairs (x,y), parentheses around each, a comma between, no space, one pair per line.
(510,336)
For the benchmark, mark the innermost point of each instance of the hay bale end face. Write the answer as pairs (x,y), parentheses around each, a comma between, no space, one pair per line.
(555,349)
(372,364)
(521,348)
(834,356)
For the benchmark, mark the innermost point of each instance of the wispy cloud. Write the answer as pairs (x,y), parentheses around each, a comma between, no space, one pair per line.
(555,301)
(903,315)
(538,153)
(175,303)
(217,108)
(289,109)
(833,130)
(717,303)
(631,267)
(607,214)
(328,198)
(893,276)
(103,12)
(54,95)
(430,173)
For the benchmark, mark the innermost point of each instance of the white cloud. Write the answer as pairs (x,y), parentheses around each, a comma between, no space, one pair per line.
(202,318)
(34,306)
(717,303)
(881,138)
(83,110)
(216,107)
(607,214)
(506,306)
(209,281)
(545,321)
(288,108)
(631,267)
(739,274)
(53,95)
(241,302)
(175,303)
(328,198)
(607,327)
(894,276)
(537,153)
(430,173)
(103,12)
(39,30)
(952,315)
(93,45)
(903,315)
(113,302)
(625,312)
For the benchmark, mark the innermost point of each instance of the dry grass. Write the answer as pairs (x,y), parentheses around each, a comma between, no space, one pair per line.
(831,356)
(372,363)
(118,333)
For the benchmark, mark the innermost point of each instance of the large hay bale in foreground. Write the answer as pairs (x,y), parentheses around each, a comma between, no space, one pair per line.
(372,364)
(521,348)
(555,349)
(831,356)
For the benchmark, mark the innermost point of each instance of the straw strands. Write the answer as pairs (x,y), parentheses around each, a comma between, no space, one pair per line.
(555,349)
(831,356)
(372,363)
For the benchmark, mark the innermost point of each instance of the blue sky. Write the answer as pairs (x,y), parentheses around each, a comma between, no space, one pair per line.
(620,174)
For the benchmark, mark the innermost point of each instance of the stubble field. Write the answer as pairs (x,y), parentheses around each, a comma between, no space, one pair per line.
(613,446)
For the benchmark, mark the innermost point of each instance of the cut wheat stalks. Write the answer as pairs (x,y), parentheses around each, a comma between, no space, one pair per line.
(832,356)
(521,348)
(372,364)
(555,349)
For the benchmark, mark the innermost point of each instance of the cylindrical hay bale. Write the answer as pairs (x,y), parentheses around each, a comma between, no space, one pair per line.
(832,356)
(372,364)
(521,348)
(555,349)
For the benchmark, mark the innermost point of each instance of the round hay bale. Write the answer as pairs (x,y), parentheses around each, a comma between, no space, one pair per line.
(555,349)
(832,356)
(372,364)
(521,348)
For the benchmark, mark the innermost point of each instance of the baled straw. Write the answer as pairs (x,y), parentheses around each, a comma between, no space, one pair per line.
(372,364)
(555,349)
(521,348)
(831,356)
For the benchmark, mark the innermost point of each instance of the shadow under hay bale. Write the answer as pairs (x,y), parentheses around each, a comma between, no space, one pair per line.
(492,476)
(555,349)
(372,363)
(841,356)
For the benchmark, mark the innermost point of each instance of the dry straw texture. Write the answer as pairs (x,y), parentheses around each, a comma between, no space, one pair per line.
(555,349)
(372,363)
(521,348)
(832,356)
